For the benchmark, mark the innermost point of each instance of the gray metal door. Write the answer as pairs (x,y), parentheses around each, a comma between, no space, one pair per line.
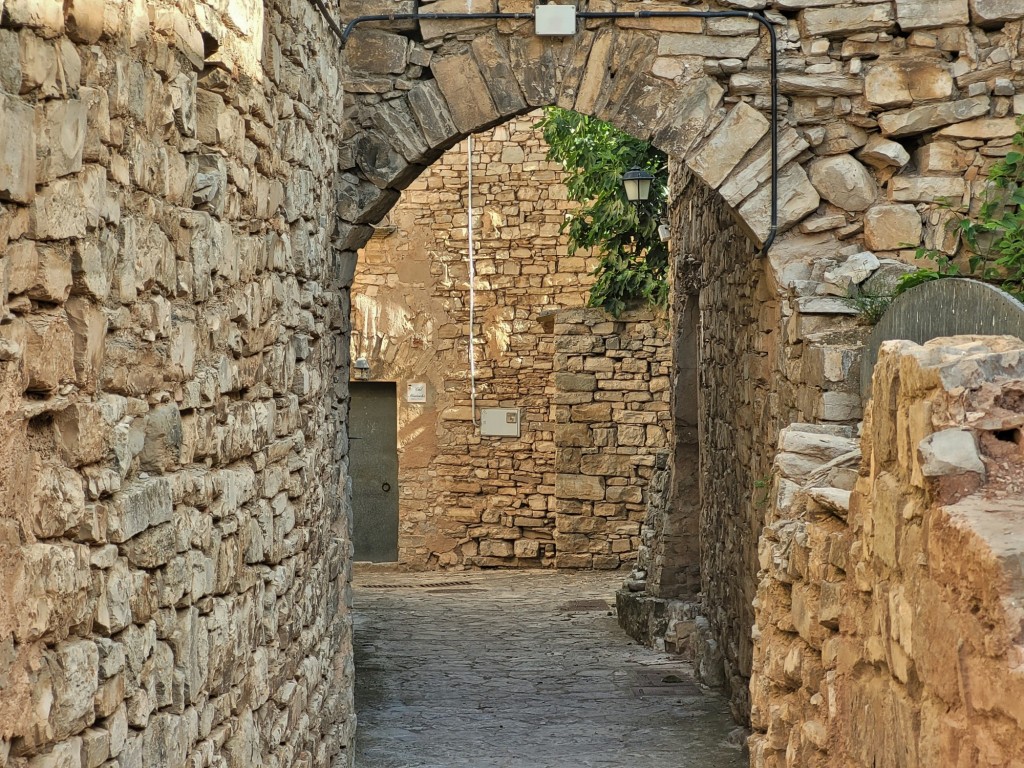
(373,462)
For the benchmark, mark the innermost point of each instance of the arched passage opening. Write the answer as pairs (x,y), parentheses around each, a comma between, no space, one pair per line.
(476,76)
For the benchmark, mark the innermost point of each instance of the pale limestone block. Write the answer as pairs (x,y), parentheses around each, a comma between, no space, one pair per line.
(881,153)
(950,452)
(17,150)
(844,182)
(40,271)
(920,14)
(45,16)
(139,505)
(49,345)
(836,22)
(750,175)
(466,92)
(84,20)
(39,66)
(57,503)
(922,119)
(60,138)
(707,46)
(734,137)
(942,157)
(892,227)
(797,198)
(89,325)
(982,129)
(927,189)
(992,12)
(896,84)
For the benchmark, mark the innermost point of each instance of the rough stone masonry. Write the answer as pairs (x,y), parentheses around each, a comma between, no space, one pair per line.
(183,188)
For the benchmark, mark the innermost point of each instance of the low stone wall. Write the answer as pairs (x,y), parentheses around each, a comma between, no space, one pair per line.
(612,428)
(888,613)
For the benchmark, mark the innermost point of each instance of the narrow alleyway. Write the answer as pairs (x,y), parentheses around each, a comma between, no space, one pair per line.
(521,670)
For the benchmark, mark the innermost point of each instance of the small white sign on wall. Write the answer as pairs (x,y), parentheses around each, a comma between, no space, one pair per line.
(416,392)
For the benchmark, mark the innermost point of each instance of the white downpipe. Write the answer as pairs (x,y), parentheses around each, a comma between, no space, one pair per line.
(472,287)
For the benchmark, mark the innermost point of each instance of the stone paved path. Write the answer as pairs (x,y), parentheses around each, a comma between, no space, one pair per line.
(503,673)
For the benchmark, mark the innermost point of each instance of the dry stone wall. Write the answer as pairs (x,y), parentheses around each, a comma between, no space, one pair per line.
(467,500)
(172,578)
(612,431)
(888,613)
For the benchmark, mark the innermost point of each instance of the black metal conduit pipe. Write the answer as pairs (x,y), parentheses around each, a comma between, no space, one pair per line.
(758,17)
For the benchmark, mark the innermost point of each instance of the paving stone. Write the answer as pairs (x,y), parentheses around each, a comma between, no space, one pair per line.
(505,672)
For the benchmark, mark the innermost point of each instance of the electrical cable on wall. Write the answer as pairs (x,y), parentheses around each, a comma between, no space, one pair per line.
(472,284)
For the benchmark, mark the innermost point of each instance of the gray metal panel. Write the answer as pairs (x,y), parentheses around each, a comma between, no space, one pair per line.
(373,464)
(946,307)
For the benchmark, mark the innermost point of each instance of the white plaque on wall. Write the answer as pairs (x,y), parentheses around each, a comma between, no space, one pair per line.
(416,392)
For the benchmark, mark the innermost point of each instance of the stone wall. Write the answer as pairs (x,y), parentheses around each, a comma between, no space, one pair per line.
(479,501)
(612,431)
(172,579)
(888,614)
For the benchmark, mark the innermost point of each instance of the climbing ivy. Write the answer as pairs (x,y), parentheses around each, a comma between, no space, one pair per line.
(994,237)
(633,262)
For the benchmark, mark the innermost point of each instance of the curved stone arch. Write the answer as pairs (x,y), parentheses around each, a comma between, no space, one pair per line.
(605,72)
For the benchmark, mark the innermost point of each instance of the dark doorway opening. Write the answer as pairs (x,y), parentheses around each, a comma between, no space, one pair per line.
(373,431)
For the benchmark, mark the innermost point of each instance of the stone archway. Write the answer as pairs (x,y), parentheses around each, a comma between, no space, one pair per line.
(862,89)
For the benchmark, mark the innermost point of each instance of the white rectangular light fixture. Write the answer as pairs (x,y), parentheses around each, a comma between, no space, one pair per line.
(555,20)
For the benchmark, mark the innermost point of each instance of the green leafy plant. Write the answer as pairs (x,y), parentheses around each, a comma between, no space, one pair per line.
(993,240)
(633,262)
(870,307)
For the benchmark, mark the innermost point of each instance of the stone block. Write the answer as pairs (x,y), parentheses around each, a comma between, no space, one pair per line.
(711,46)
(492,56)
(82,433)
(725,148)
(57,502)
(17,158)
(882,153)
(161,449)
(981,129)
(584,487)
(575,382)
(49,355)
(431,113)
(927,189)
(39,271)
(837,22)
(607,464)
(844,182)
(84,20)
(137,506)
(921,14)
(60,138)
(377,52)
(922,119)
(950,452)
(987,13)
(44,16)
(466,92)
(797,198)
(75,668)
(892,227)
(899,84)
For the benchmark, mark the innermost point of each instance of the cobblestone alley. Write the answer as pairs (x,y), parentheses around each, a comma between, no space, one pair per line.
(509,670)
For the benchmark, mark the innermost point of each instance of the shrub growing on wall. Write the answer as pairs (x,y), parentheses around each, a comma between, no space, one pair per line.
(633,262)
